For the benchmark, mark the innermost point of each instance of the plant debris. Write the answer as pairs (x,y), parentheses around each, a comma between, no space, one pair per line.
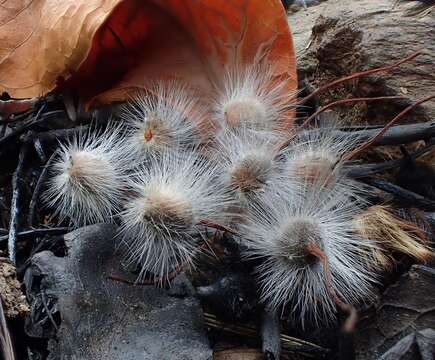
(13,300)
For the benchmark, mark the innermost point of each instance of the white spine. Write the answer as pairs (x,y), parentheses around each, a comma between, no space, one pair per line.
(251,97)
(162,221)
(167,117)
(87,178)
(273,233)
(249,160)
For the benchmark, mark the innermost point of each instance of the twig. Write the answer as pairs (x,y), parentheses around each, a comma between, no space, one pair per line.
(328,106)
(364,170)
(35,195)
(213,225)
(6,346)
(399,134)
(16,107)
(155,280)
(50,316)
(47,117)
(379,135)
(18,117)
(403,195)
(39,149)
(344,101)
(34,233)
(16,193)
(360,74)
(60,133)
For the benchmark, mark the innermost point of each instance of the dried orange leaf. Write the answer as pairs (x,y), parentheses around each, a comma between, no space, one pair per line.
(101,49)
(42,40)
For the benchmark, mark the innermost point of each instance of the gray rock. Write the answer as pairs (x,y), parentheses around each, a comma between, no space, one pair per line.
(405,308)
(419,345)
(106,319)
(340,37)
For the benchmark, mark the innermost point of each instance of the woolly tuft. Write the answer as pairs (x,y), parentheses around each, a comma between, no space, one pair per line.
(250,97)
(87,178)
(162,222)
(166,118)
(249,160)
(280,230)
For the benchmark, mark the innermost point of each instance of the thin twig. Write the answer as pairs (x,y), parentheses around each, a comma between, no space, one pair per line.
(213,225)
(289,343)
(270,332)
(379,135)
(328,106)
(34,233)
(155,280)
(401,194)
(50,316)
(15,208)
(6,346)
(60,133)
(360,74)
(18,117)
(39,149)
(364,170)
(16,193)
(36,192)
(47,117)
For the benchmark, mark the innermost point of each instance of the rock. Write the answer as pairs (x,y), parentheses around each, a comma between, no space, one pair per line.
(340,37)
(419,345)
(106,319)
(181,286)
(13,299)
(405,307)
(232,297)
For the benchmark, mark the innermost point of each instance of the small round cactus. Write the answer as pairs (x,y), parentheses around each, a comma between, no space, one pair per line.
(250,97)
(162,220)
(87,178)
(287,230)
(167,117)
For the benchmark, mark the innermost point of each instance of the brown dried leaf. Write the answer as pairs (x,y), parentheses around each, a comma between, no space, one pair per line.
(109,47)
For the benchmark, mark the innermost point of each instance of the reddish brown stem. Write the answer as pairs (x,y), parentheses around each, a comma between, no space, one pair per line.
(350,323)
(328,106)
(217,226)
(370,142)
(360,74)
(153,281)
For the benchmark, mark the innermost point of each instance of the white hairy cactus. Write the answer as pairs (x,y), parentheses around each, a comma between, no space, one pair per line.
(167,117)
(162,221)
(283,231)
(316,155)
(87,178)
(250,97)
(249,160)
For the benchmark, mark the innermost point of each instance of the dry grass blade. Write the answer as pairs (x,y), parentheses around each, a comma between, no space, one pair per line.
(327,107)
(289,343)
(381,133)
(393,234)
